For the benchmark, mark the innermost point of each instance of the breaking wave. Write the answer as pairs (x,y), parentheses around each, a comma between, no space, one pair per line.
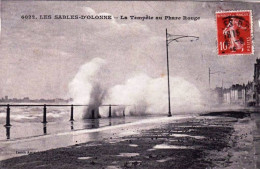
(140,94)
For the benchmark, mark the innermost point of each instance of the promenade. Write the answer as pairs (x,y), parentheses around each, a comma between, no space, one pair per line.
(216,139)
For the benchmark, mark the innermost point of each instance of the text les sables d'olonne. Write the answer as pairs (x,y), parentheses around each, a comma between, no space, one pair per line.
(108,17)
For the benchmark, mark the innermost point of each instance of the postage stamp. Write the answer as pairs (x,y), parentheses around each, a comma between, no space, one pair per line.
(234,32)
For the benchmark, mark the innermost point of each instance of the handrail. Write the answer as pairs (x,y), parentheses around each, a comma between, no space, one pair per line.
(8,110)
(54,105)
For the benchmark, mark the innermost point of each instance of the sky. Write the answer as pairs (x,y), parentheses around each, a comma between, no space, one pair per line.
(39,58)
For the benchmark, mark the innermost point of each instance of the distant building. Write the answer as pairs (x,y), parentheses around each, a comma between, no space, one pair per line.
(26,99)
(256,82)
(248,94)
(236,94)
(226,96)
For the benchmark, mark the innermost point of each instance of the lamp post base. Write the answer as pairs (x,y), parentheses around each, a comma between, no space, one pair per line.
(169,115)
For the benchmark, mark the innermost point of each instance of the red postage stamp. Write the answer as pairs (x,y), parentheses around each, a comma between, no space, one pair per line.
(234,32)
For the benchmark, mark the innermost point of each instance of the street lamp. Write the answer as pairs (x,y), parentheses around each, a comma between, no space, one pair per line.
(217,72)
(170,38)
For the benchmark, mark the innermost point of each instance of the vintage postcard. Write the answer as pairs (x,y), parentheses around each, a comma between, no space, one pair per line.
(129,84)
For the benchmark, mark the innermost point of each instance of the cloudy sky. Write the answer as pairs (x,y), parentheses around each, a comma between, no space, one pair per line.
(38,58)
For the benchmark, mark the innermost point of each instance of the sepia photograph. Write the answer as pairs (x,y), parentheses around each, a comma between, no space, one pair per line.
(129,84)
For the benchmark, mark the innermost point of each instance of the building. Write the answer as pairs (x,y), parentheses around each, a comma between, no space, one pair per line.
(235,95)
(248,94)
(256,82)
(250,98)
(226,96)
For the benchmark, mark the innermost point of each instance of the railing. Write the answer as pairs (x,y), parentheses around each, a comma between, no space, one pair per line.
(8,110)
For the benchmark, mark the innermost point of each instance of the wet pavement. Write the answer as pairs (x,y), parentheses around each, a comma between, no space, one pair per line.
(226,139)
(256,137)
(25,138)
(219,140)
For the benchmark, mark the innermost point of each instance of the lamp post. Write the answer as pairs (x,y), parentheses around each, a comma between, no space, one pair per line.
(217,72)
(177,38)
